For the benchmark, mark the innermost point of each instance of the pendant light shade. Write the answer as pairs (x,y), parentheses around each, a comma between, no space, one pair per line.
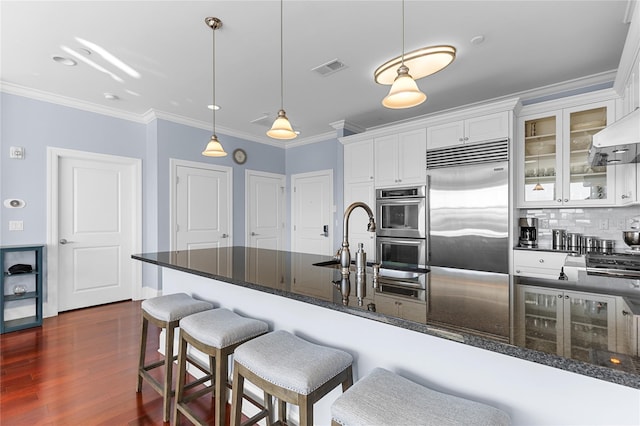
(281,128)
(404,92)
(214,147)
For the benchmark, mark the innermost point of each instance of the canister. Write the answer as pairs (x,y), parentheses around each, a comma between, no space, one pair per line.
(589,243)
(606,246)
(558,238)
(574,240)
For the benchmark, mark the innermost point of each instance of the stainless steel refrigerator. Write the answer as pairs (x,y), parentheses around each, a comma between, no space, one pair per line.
(468,223)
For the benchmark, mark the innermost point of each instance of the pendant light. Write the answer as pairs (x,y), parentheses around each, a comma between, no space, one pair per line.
(214,147)
(404,92)
(281,128)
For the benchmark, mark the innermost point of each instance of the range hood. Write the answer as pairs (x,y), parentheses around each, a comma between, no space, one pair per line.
(618,143)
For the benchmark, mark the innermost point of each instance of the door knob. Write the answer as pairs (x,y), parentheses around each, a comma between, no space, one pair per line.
(253,234)
(64,241)
(224,236)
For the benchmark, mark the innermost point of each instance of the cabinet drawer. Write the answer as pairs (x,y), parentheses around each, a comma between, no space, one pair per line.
(538,264)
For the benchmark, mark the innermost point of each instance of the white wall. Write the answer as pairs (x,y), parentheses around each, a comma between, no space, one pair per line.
(531,393)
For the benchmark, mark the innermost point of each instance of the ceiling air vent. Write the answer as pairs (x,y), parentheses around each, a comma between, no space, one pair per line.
(329,68)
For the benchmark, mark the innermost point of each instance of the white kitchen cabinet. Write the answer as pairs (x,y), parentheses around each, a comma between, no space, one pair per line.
(553,167)
(400,307)
(358,221)
(569,323)
(538,264)
(627,331)
(401,159)
(472,130)
(358,161)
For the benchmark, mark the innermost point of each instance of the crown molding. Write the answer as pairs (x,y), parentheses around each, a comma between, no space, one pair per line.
(311,139)
(344,124)
(631,49)
(39,95)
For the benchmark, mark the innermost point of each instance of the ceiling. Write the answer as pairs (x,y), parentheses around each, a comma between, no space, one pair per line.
(527,45)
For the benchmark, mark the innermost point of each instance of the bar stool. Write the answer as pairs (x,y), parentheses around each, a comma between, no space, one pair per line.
(385,398)
(164,312)
(216,333)
(292,370)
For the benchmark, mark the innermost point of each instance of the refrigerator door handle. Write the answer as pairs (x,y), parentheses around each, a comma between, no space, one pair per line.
(427,216)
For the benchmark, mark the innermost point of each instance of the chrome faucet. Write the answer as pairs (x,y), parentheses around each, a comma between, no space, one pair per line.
(343,252)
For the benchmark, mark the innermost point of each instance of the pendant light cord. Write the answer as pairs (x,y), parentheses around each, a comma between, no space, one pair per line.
(281,57)
(213,65)
(402,32)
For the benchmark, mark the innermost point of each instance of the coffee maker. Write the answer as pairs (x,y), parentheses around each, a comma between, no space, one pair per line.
(528,232)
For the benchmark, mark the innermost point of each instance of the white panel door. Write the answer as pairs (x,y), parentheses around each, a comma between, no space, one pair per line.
(95,228)
(203,205)
(265,210)
(312,205)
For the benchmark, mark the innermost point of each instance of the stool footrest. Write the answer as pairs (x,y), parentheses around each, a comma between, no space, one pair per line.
(154,383)
(253,420)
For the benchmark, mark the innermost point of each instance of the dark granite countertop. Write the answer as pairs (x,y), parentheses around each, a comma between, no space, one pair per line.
(280,273)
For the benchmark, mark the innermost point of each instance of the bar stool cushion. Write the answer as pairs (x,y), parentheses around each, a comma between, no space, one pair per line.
(221,328)
(173,307)
(385,398)
(291,362)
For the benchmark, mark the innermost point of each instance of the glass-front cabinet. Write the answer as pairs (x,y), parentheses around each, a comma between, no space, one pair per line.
(572,324)
(555,170)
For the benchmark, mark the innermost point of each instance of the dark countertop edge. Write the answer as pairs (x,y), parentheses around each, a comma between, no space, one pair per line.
(550,360)
(548,249)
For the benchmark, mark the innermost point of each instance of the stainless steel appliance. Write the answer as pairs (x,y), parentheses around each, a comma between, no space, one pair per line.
(401,212)
(616,264)
(468,246)
(402,253)
(618,143)
(528,232)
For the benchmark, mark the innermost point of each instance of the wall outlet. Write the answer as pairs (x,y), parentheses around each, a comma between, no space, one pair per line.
(16,225)
(603,225)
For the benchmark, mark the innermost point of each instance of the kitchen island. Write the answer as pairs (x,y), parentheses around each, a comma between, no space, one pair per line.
(286,290)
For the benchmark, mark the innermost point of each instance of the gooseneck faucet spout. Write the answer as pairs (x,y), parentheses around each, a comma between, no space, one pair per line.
(345,254)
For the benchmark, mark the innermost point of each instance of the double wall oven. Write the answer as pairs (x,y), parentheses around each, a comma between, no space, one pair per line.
(401,232)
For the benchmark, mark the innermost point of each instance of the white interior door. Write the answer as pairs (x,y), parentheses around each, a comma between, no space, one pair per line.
(265,210)
(202,206)
(96,228)
(312,205)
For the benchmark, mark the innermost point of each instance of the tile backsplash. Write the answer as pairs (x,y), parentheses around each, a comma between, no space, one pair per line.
(602,222)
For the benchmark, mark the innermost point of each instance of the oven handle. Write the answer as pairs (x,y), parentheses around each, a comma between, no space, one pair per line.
(427,218)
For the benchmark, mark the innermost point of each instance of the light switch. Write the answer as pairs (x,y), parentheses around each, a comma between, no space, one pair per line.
(16,225)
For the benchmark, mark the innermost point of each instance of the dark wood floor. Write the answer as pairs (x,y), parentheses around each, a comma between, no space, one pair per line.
(79,368)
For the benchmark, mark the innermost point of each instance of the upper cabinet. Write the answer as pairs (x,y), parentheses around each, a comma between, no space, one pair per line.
(358,161)
(477,129)
(401,159)
(553,167)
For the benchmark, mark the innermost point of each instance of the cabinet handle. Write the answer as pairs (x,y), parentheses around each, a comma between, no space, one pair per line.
(624,196)
(541,260)
(460,139)
(566,200)
(224,236)
(371,177)
(466,138)
(625,313)
(517,271)
(566,297)
(559,200)
(559,296)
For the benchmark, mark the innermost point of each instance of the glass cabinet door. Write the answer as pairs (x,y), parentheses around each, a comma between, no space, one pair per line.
(589,325)
(584,184)
(540,320)
(541,160)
